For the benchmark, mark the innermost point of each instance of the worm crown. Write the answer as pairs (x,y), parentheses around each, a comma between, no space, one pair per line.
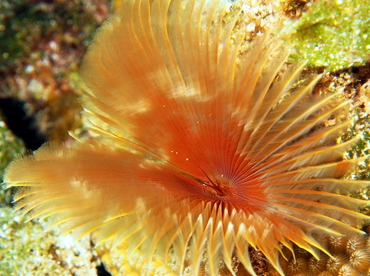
(206,146)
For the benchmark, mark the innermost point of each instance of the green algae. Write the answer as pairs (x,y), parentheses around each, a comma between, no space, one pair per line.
(27,248)
(10,147)
(332,34)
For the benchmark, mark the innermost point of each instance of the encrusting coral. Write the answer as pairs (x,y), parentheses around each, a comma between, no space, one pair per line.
(205,146)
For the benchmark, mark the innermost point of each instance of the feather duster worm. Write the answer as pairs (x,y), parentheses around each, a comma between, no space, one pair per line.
(202,149)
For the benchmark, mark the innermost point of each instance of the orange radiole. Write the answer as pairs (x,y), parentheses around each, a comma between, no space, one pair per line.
(203,146)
